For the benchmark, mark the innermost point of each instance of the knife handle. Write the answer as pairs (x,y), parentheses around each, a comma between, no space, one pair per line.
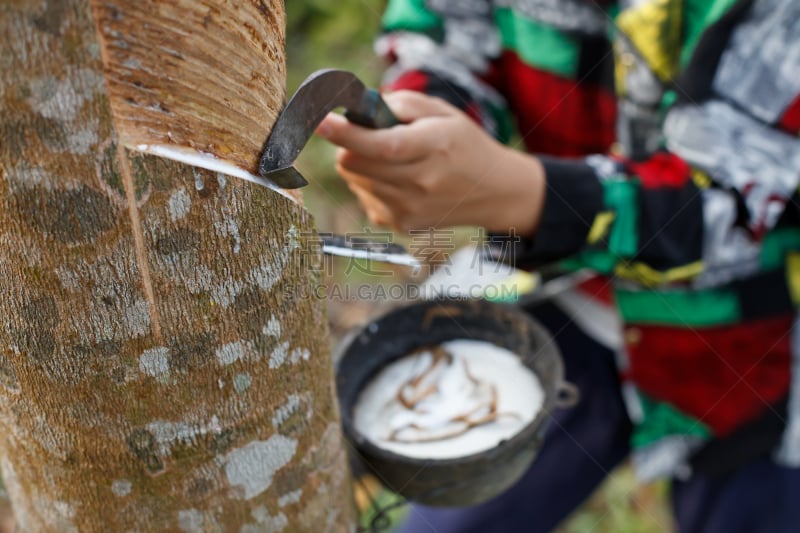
(372,112)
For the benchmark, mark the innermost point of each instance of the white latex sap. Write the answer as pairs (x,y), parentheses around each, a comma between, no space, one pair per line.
(479,374)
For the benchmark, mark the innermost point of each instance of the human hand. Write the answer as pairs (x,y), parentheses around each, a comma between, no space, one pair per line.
(437,169)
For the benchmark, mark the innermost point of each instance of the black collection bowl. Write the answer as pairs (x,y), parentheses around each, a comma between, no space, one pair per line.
(470,479)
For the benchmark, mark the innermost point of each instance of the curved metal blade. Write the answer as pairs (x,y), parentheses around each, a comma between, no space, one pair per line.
(322,92)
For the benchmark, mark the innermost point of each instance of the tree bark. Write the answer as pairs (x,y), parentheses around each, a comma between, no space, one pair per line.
(164,362)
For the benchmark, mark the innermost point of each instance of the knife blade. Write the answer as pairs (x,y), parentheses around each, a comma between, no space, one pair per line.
(322,92)
(361,248)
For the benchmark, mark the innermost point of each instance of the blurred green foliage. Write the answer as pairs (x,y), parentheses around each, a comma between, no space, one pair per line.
(332,33)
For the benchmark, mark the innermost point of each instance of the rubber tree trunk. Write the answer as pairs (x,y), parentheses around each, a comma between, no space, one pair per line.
(164,364)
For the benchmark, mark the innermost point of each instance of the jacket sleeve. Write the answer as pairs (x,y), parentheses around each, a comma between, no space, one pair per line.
(705,211)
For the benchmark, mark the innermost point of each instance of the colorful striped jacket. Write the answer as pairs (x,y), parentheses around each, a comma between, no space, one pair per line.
(692,205)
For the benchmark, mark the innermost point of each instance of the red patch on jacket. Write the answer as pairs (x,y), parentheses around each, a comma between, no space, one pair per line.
(790,121)
(661,170)
(598,288)
(415,80)
(723,376)
(556,115)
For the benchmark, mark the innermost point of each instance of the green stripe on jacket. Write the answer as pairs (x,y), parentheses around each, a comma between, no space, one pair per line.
(411,15)
(539,46)
(680,308)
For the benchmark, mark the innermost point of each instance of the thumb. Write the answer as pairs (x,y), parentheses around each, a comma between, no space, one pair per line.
(409,106)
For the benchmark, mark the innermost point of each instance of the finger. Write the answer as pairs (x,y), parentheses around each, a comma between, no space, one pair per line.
(379,171)
(400,144)
(383,203)
(376,210)
(409,106)
(385,191)
(387,205)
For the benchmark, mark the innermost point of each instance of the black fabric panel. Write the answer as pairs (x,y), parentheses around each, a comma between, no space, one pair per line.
(791,214)
(764,295)
(574,197)
(451,93)
(596,63)
(759,438)
(694,83)
(670,226)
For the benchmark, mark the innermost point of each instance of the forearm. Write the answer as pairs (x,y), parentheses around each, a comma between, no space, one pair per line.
(514,201)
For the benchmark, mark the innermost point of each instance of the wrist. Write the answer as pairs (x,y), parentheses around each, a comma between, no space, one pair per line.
(521,186)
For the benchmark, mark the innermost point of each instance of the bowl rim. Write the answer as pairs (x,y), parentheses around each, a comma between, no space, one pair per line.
(524,436)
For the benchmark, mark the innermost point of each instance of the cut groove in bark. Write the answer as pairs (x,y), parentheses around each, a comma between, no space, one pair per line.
(207,75)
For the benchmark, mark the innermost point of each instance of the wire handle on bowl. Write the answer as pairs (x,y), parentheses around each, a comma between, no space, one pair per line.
(567,395)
